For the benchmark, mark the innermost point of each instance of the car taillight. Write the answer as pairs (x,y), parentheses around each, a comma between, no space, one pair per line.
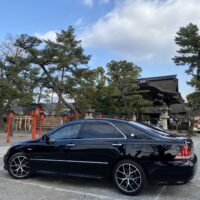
(185,152)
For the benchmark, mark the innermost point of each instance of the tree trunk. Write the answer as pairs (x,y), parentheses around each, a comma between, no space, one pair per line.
(191,127)
(192,120)
(198,66)
(40,95)
(2,124)
(56,89)
(58,107)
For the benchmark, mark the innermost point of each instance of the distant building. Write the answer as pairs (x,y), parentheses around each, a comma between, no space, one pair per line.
(168,109)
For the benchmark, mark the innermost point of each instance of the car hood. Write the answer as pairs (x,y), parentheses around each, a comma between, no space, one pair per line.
(27,142)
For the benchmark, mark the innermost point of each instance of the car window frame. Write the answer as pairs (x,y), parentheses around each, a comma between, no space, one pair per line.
(101,121)
(63,126)
(145,136)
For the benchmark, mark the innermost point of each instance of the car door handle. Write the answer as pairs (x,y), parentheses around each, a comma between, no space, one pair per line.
(117,144)
(70,145)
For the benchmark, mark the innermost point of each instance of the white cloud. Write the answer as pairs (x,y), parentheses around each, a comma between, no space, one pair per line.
(104,1)
(142,29)
(79,21)
(50,35)
(88,3)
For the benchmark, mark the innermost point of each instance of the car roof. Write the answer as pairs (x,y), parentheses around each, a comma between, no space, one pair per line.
(97,119)
(105,119)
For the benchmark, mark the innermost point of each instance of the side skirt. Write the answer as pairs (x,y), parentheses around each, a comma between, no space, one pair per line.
(66,174)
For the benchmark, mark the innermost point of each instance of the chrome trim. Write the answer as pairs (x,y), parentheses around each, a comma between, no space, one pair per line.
(117,144)
(124,136)
(70,145)
(68,161)
(117,129)
(90,139)
(184,157)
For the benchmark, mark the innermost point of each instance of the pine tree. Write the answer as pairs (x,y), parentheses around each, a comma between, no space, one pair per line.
(122,77)
(188,39)
(64,57)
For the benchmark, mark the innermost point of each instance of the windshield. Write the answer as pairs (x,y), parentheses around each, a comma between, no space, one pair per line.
(149,127)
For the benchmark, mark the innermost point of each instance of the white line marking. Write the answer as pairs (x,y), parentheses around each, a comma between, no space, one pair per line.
(85,194)
(161,191)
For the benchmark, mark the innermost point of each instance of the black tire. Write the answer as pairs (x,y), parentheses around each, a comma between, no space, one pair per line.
(129,177)
(18,166)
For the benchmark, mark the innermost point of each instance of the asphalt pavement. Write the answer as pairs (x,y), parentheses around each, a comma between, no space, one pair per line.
(51,188)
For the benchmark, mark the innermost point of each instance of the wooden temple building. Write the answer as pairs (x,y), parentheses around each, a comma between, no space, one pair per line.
(168,109)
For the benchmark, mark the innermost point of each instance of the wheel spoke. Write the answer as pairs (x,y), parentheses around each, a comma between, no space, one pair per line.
(19,166)
(133,172)
(19,160)
(127,184)
(15,162)
(124,171)
(121,172)
(123,181)
(120,177)
(134,181)
(131,187)
(128,177)
(22,160)
(129,169)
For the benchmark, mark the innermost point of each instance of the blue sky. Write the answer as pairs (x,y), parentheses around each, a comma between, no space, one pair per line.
(32,16)
(141,31)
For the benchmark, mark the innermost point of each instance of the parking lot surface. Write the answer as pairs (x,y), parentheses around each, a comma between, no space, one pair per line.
(56,188)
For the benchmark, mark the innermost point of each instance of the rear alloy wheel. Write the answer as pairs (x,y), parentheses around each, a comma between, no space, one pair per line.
(18,166)
(129,177)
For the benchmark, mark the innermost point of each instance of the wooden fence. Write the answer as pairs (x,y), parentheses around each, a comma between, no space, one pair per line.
(24,123)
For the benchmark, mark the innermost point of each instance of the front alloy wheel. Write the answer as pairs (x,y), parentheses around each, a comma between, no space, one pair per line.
(18,166)
(129,177)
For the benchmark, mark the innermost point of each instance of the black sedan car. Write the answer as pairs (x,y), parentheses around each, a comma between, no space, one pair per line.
(129,152)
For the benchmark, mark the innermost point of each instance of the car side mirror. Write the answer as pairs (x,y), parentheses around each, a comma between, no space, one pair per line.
(48,139)
(51,140)
(45,138)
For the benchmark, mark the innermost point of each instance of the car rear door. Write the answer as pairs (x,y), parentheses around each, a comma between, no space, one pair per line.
(99,146)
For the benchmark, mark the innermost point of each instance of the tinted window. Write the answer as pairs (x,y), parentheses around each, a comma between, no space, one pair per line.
(67,132)
(100,130)
(131,131)
(150,128)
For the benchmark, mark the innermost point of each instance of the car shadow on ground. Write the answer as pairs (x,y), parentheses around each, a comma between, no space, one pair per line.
(103,188)
(99,187)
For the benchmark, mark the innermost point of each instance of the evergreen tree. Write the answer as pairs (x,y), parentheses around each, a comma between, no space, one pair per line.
(62,57)
(16,79)
(188,39)
(122,77)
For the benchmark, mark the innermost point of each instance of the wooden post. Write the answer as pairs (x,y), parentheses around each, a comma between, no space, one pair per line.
(35,113)
(42,116)
(8,129)
(34,118)
(9,119)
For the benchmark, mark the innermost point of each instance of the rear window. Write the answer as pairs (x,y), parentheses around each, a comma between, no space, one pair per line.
(131,132)
(150,129)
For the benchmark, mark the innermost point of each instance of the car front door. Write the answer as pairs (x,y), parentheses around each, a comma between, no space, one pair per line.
(54,154)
